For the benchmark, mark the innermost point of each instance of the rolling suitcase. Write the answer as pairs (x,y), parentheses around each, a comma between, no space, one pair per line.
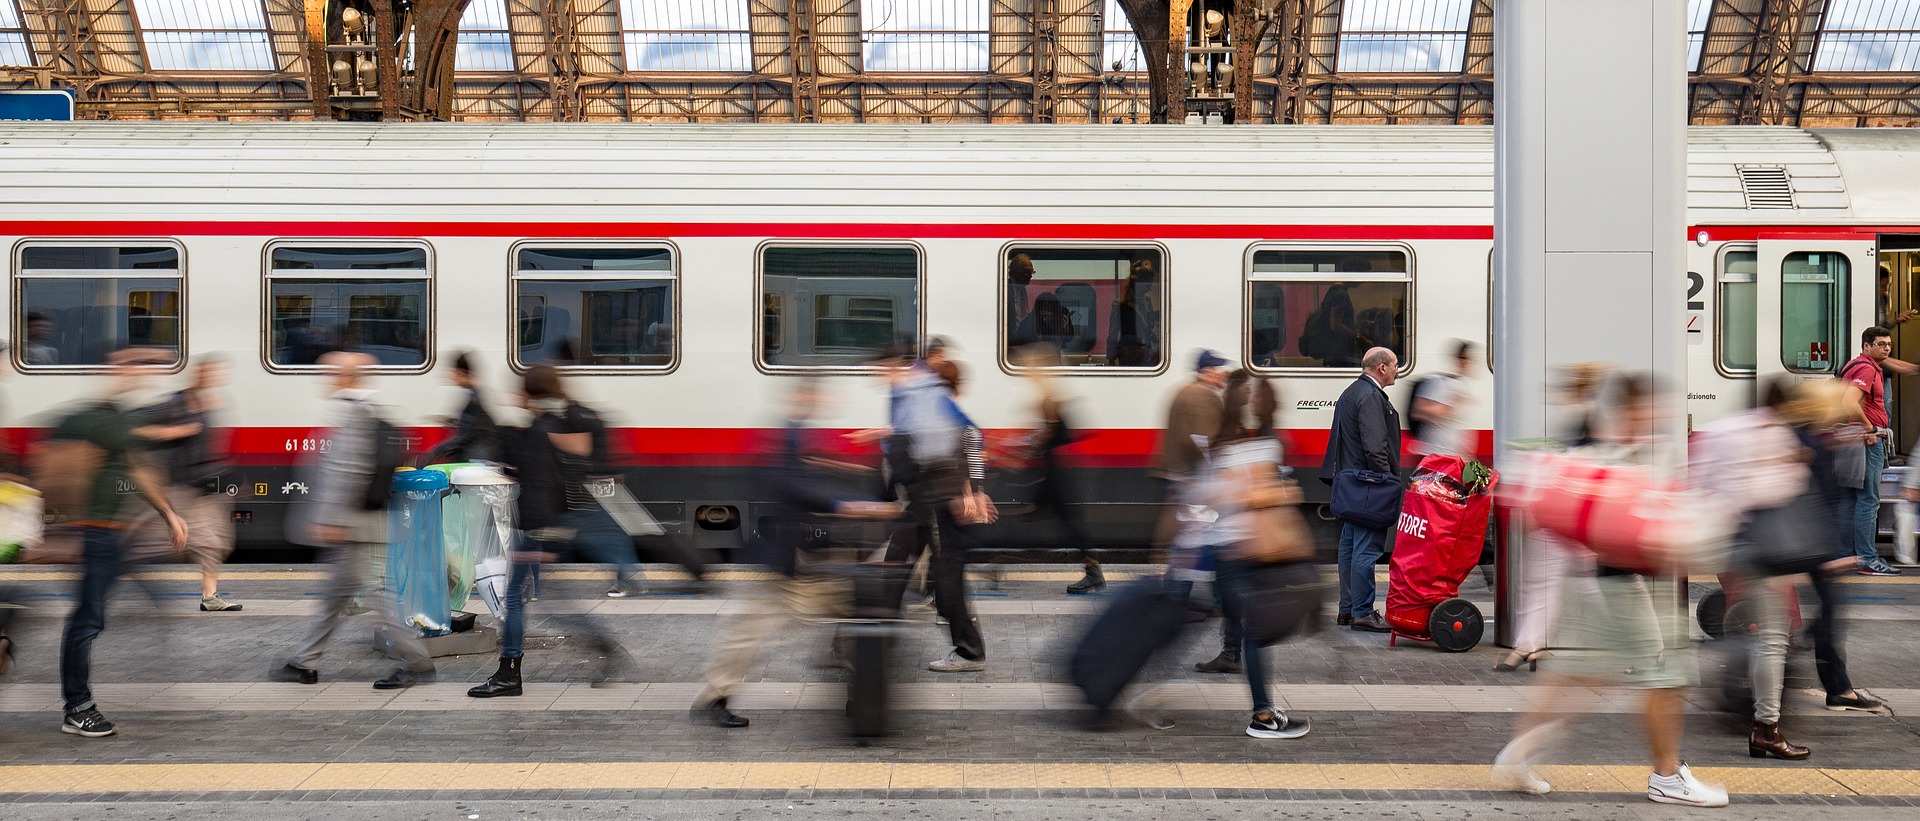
(1144,617)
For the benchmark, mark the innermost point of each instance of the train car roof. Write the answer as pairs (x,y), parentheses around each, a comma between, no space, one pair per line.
(930,174)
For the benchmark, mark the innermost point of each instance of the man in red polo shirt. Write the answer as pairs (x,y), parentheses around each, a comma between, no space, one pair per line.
(1866,391)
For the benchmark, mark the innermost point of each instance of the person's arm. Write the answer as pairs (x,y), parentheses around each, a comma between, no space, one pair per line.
(153,489)
(1381,446)
(1900,367)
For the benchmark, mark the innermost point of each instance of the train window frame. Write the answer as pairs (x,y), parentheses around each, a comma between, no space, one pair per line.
(672,275)
(1411,277)
(18,273)
(429,273)
(1839,294)
(1004,353)
(1721,278)
(759,293)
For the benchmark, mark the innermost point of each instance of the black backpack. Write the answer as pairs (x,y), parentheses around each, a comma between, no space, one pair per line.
(389,455)
(1415,425)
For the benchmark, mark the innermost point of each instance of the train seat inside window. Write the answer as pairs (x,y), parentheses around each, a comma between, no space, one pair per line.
(80,302)
(1093,307)
(375,300)
(1321,309)
(587,305)
(834,306)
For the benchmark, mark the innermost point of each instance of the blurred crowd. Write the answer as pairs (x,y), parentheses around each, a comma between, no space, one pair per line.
(1781,496)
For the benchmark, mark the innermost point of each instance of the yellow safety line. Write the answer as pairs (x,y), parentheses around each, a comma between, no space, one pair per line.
(831,776)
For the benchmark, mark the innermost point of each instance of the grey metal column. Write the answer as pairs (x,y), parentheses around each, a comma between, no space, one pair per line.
(1590,177)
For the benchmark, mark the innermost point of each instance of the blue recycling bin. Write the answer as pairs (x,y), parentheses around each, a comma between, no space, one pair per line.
(416,552)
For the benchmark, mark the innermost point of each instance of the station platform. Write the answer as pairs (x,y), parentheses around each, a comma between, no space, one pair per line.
(1404,731)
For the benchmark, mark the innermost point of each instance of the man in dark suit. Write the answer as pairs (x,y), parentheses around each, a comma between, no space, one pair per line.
(1365,435)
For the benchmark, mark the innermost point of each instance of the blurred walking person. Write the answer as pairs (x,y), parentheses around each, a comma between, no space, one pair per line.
(1051,487)
(1546,561)
(475,437)
(341,517)
(1243,456)
(1620,628)
(784,544)
(563,445)
(184,440)
(1754,463)
(926,449)
(87,457)
(1440,401)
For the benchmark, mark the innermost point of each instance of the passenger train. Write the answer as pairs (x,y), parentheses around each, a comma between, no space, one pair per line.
(691,272)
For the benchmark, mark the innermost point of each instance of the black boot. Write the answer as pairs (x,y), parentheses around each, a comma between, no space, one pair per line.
(1093,580)
(505,681)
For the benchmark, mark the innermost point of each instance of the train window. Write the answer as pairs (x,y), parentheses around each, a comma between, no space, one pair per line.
(1737,301)
(1093,307)
(375,300)
(1813,286)
(78,303)
(833,306)
(1310,308)
(594,306)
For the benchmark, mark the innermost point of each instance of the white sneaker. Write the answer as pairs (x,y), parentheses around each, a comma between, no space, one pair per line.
(1515,776)
(956,663)
(1683,788)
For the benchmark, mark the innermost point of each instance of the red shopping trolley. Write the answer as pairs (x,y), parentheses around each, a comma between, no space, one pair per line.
(1436,543)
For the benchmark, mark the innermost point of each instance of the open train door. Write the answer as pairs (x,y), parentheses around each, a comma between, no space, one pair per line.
(1814,295)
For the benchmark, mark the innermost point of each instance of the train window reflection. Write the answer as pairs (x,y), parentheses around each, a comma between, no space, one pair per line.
(594,306)
(80,303)
(1098,307)
(1315,308)
(375,300)
(1738,298)
(1811,323)
(833,306)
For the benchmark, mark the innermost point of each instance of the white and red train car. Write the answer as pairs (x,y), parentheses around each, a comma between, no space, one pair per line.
(691,271)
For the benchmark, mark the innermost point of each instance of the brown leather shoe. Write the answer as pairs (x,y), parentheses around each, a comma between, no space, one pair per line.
(1371,623)
(1766,740)
(1343,619)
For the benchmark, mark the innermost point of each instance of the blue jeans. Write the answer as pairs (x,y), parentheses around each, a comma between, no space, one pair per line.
(598,538)
(1360,549)
(1229,582)
(100,558)
(513,635)
(1866,505)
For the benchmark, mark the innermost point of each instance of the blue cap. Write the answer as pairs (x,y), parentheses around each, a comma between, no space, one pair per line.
(1209,359)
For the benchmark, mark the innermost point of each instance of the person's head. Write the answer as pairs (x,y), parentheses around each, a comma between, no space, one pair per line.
(210,373)
(1776,394)
(1210,369)
(1817,403)
(39,327)
(1020,269)
(1632,410)
(542,382)
(1248,407)
(936,351)
(346,370)
(1381,364)
(461,374)
(1463,357)
(131,368)
(1876,342)
(951,373)
(893,359)
(1582,382)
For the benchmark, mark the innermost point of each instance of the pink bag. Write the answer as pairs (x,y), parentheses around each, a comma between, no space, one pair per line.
(1628,516)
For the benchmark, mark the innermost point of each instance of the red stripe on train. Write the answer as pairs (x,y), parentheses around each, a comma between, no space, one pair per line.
(732,447)
(821,230)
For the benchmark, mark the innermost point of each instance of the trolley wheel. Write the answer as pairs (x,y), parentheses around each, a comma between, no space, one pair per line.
(1742,620)
(1712,614)
(1456,625)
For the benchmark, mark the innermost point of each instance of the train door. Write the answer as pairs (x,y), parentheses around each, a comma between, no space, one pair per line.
(1899,275)
(1812,298)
